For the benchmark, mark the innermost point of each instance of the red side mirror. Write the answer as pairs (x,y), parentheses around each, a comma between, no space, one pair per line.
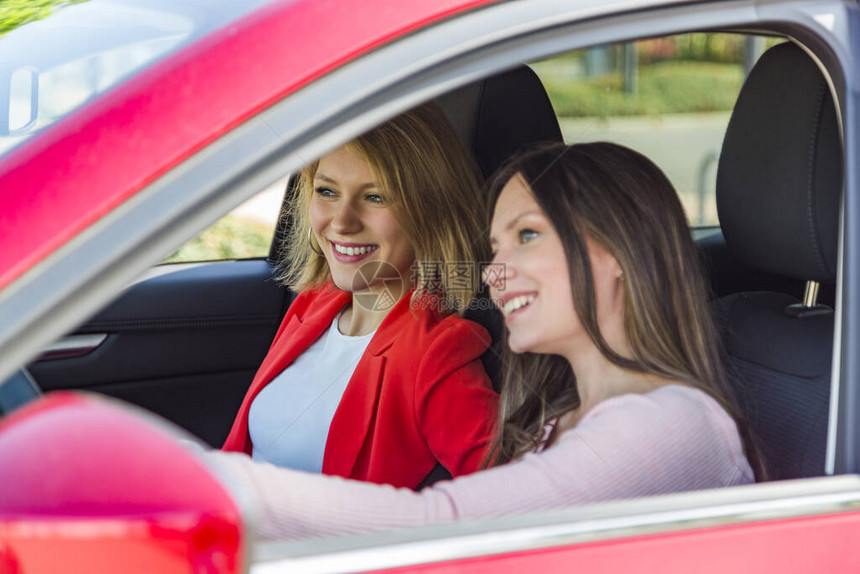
(89,486)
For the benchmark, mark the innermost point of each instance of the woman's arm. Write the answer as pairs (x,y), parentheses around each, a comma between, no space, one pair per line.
(670,440)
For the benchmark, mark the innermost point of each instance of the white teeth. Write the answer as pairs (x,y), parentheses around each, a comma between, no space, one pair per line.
(353,250)
(517,303)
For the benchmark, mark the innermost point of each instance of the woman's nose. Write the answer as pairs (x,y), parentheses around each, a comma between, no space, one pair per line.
(345,218)
(496,273)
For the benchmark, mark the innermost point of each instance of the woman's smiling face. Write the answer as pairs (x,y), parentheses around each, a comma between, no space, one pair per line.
(532,286)
(354,223)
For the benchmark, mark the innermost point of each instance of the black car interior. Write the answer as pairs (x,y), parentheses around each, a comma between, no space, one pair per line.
(778,189)
(185,343)
(17,391)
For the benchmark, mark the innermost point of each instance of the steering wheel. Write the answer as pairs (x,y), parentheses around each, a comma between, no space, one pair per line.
(18,390)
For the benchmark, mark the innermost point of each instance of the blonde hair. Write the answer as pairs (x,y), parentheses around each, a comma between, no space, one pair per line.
(619,198)
(434,185)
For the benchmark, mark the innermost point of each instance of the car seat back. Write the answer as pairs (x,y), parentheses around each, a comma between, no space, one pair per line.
(495,117)
(778,187)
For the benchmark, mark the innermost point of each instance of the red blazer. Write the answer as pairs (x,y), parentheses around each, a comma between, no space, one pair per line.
(418,395)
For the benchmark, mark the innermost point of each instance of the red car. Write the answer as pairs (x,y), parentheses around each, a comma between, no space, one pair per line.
(127,127)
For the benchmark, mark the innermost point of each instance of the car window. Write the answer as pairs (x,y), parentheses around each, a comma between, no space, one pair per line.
(244,233)
(669,98)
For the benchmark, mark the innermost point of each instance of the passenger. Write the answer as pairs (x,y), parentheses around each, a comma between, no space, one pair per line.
(597,276)
(370,375)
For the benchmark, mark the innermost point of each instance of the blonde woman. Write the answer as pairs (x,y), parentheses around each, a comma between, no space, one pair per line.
(372,374)
(614,386)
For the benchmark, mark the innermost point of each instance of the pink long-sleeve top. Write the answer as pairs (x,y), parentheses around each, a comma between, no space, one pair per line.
(672,439)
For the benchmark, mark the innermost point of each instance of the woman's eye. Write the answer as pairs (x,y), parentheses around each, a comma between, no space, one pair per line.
(325,192)
(374,198)
(527,235)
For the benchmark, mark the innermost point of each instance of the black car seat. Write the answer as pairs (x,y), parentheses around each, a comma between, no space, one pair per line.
(494,118)
(778,187)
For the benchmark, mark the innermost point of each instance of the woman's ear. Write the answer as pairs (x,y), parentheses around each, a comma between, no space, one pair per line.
(602,260)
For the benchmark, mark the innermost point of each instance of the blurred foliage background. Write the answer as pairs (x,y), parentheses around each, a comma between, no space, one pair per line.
(664,88)
(232,237)
(688,73)
(15,13)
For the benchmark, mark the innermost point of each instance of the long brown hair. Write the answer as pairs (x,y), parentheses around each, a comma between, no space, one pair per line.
(421,164)
(620,199)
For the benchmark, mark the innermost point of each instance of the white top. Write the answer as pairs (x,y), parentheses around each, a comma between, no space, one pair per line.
(289,419)
(672,439)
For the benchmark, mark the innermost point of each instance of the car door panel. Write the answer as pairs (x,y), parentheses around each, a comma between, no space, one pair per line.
(184,342)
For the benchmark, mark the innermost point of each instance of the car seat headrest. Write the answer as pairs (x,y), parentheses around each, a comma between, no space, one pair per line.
(496,116)
(780,172)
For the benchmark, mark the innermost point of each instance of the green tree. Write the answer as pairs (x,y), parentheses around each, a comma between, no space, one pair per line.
(15,13)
